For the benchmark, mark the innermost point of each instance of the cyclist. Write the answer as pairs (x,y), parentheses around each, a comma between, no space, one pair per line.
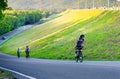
(79,47)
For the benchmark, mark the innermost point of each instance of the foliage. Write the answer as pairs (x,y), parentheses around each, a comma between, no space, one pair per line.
(16,18)
(3,6)
(4,75)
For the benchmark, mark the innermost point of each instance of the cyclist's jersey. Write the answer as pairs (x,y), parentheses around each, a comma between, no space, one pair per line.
(79,44)
(27,50)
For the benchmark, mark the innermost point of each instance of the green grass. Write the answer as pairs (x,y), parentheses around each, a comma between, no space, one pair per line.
(4,75)
(56,39)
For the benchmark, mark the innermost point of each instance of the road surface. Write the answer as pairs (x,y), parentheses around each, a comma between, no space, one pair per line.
(57,69)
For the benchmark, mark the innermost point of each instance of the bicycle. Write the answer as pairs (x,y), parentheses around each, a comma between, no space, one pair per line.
(79,56)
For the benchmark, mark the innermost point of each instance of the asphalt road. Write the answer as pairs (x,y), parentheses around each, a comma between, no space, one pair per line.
(56,69)
(16,31)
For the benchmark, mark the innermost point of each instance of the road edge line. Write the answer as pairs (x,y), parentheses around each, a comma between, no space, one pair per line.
(17,73)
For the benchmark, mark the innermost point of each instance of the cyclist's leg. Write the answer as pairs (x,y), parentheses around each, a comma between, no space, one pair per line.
(81,56)
(77,56)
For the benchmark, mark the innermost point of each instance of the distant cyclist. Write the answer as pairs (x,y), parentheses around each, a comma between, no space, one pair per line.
(18,52)
(79,47)
(27,51)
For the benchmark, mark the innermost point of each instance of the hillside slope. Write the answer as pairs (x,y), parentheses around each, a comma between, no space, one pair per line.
(56,39)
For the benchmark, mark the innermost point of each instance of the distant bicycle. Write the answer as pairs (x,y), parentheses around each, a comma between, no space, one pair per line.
(79,56)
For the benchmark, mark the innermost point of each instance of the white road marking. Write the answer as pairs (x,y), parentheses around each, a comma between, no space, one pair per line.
(17,73)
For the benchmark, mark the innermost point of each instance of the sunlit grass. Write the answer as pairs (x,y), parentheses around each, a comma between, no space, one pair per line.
(56,39)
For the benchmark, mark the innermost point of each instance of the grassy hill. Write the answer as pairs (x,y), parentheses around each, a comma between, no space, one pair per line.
(58,4)
(56,39)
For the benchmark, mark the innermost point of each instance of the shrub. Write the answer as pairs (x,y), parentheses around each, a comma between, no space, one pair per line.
(16,18)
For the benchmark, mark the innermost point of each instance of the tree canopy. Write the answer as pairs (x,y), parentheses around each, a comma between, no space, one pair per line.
(3,6)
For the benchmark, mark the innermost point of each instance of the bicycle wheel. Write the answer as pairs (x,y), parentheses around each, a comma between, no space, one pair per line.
(81,59)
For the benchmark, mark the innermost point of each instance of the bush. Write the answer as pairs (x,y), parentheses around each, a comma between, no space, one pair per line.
(16,18)
(4,28)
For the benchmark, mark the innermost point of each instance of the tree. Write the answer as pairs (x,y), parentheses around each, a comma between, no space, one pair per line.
(3,6)
(9,8)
